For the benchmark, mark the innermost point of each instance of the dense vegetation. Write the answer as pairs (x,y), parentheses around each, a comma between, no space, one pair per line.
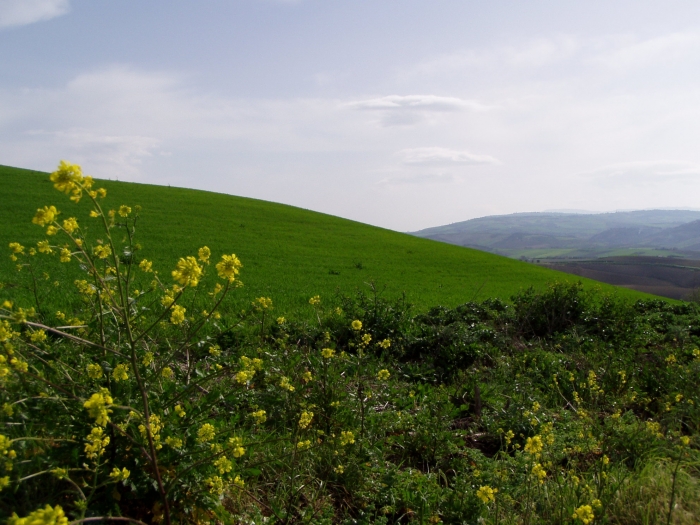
(140,399)
(289,253)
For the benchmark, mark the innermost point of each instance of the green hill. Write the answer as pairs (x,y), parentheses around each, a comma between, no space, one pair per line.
(288,253)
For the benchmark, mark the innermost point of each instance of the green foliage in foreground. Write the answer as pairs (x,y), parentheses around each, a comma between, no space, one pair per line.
(289,253)
(139,400)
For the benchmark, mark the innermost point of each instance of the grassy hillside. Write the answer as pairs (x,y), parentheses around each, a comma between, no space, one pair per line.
(289,254)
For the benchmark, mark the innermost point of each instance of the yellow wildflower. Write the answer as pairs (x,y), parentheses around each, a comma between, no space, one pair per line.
(70,225)
(385,344)
(228,267)
(146,265)
(262,303)
(327,353)
(173,442)
(539,473)
(260,416)
(44,247)
(357,324)
(216,485)
(281,320)
(223,465)
(315,300)
(167,373)
(206,433)
(346,438)
(215,350)
(203,254)
(180,411)
(124,210)
(96,443)
(284,383)
(366,338)
(97,406)
(147,359)
(584,513)
(339,469)
(120,372)
(177,315)
(533,445)
(47,516)
(238,482)
(187,271)
(45,215)
(102,251)
(38,336)
(119,475)
(16,248)
(383,375)
(94,213)
(302,445)
(486,494)
(305,419)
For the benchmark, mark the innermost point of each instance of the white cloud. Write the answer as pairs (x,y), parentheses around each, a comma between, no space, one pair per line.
(403,110)
(645,172)
(23,12)
(419,103)
(631,53)
(438,156)
(419,179)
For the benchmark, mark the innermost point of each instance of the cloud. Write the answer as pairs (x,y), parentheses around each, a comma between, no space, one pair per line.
(402,110)
(23,12)
(419,103)
(441,156)
(645,172)
(419,179)
(629,53)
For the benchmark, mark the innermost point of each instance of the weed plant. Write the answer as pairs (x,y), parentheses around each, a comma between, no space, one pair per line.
(138,401)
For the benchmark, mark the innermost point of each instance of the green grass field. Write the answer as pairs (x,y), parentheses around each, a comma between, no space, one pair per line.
(288,253)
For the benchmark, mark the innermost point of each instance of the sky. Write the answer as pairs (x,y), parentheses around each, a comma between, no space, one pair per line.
(404,114)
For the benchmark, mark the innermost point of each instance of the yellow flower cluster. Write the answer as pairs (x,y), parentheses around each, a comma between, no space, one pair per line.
(97,406)
(96,443)
(303,445)
(146,266)
(385,344)
(486,494)
(260,416)
(346,438)
(94,371)
(327,353)
(236,444)
(533,445)
(156,425)
(356,325)
(262,303)
(120,372)
(119,475)
(206,433)
(216,485)
(305,419)
(539,473)
(45,215)
(47,516)
(584,513)
(187,271)
(315,300)
(38,336)
(223,465)
(285,384)
(180,411)
(228,267)
(177,314)
(173,442)
(383,375)
(102,251)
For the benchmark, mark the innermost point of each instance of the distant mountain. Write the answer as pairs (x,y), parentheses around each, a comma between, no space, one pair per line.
(576,235)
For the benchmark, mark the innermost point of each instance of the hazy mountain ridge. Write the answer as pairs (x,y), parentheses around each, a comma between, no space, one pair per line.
(512,234)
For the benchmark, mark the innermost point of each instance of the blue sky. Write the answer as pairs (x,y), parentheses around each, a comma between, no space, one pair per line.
(405,114)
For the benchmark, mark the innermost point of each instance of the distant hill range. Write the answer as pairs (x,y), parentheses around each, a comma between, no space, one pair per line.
(656,251)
